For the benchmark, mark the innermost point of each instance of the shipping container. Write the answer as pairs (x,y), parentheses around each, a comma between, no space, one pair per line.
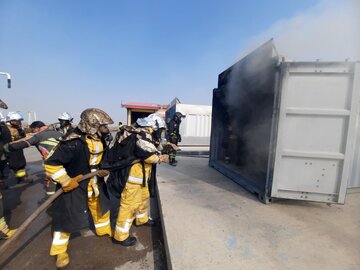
(195,128)
(286,129)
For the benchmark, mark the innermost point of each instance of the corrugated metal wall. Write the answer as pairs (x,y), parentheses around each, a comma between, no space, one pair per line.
(354,181)
(196,125)
(195,129)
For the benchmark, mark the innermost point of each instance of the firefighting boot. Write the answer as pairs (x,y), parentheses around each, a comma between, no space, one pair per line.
(174,162)
(150,223)
(5,232)
(130,241)
(62,260)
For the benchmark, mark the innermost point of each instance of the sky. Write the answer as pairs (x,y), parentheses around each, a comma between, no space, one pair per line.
(72,55)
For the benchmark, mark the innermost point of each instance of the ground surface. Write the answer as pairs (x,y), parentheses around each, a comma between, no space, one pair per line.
(212,223)
(87,251)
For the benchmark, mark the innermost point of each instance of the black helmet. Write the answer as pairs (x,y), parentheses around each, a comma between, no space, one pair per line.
(178,116)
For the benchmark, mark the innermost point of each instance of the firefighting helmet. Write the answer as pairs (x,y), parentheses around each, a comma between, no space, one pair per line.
(153,120)
(14,116)
(65,116)
(179,115)
(91,119)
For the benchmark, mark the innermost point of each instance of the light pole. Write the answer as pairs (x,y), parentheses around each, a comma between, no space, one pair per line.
(8,78)
(2,103)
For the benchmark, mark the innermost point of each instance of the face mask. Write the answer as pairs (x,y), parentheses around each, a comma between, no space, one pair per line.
(107,137)
(15,123)
(104,132)
(63,123)
(159,138)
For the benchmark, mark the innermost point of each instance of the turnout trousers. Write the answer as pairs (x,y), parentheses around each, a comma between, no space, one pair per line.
(101,222)
(134,205)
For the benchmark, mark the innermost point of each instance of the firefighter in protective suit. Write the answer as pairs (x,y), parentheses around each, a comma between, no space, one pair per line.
(45,140)
(79,152)
(5,138)
(65,120)
(174,135)
(134,202)
(17,161)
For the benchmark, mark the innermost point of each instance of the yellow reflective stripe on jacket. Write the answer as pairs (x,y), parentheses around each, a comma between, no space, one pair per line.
(135,180)
(136,170)
(48,142)
(57,173)
(96,148)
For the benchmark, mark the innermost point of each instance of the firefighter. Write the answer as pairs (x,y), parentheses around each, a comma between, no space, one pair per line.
(17,161)
(79,152)
(5,138)
(174,135)
(134,202)
(44,139)
(65,120)
(5,232)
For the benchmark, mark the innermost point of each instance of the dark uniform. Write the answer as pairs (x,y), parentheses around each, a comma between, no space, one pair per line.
(5,138)
(77,154)
(17,161)
(45,141)
(174,135)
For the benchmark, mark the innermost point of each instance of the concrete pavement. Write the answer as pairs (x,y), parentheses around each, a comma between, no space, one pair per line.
(212,223)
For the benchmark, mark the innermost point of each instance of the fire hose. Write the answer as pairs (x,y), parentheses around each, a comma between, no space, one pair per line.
(38,211)
(46,205)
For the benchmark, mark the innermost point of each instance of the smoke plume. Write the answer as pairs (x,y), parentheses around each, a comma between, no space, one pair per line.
(330,31)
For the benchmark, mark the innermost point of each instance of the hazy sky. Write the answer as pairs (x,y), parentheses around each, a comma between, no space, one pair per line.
(71,55)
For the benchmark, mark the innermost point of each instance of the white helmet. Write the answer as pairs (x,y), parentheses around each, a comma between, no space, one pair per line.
(153,120)
(14,116)
(65,116)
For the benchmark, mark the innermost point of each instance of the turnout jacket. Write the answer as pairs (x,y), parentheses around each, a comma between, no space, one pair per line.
(5,137)
(173,132)
(130,144)
(16,158)
(44,141)
(71,158)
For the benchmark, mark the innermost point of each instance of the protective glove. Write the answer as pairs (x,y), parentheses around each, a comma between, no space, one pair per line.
(164,158)
(47,181)
(102,173)
(71,184)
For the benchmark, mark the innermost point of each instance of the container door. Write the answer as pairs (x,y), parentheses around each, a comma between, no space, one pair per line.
(316,131)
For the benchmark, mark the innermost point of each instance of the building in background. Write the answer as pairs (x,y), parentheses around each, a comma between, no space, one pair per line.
(137,110)
(195,128)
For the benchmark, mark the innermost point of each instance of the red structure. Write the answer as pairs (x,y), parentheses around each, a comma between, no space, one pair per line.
(137,110)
